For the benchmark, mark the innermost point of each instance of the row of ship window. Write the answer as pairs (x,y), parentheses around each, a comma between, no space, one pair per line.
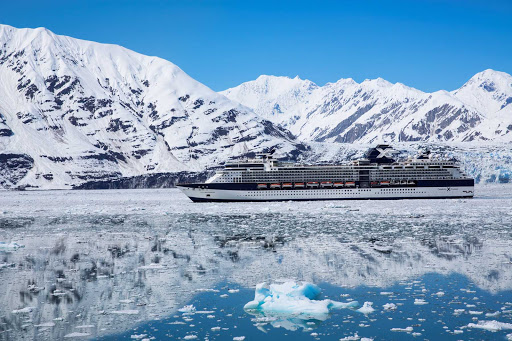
(387,190)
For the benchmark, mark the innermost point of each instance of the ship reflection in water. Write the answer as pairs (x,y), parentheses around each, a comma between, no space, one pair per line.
(123,263)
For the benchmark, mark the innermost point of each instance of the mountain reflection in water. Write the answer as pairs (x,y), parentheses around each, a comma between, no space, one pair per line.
(101,262)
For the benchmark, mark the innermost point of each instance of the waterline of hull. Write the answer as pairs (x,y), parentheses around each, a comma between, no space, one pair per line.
(223,195)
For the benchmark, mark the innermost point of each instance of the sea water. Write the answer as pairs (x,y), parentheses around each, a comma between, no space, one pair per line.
(150,264)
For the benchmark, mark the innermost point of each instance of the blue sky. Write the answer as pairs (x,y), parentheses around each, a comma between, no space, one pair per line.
(429,45)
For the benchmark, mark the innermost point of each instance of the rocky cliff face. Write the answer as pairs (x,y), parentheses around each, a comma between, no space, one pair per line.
(73,111)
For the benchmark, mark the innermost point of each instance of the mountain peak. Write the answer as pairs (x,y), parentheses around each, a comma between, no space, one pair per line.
(73,110)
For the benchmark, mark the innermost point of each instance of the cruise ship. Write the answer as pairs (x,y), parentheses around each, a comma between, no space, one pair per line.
(377,176)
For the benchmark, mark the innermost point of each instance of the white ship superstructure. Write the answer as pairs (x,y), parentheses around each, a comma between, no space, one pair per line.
(378,176)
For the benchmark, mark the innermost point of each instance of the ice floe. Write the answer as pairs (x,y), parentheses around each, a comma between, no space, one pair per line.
(291,298)
(407,329)
(25,310)
(389,306)
(492,326)
(366,308)
(9,247)
(76,334)
(125,312)
(420,301)
(187,309)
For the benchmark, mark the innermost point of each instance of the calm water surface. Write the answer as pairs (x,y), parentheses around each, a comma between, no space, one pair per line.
(120,264)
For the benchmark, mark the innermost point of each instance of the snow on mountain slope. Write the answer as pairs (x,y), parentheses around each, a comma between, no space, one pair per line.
(379,111)
(273,97)
(73,111)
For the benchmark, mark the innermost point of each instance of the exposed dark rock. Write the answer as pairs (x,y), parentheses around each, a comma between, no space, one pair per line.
(343,125)
(6,132)
(13,168)
(156,180)
(184,98)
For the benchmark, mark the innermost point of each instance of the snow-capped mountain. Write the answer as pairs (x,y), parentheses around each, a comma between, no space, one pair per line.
(379,111)
(74,110)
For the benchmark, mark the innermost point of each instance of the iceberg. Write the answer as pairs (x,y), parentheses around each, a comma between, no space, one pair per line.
(292,299)
(366,308)
(492,326)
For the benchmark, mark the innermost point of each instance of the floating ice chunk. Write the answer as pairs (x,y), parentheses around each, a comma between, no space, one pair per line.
(382,248)
(366,308)
(76,334)
(492,326)
(187,309)
(290,298)
(495,314)
(204,311)
(389,306)
(207,290)
(386,293)
(354,337)
(190,337)
(420,301)
(215,329)
(407,329)
(25,310)
(239,338)
(439,293)
(509,337)
(472,312)
(46,324)
(152,266)
(138,336)
(125,312)
(9,247)
(85,326)
(233,291)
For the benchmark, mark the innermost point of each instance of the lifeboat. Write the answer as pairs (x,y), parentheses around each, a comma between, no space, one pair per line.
(313,184)
(287,185)
(411,182)
(375,183)
(384,183)
(262,186)
(338,184)
(325,184)
(403,182)
(350,184)
(299,185)
(275,186)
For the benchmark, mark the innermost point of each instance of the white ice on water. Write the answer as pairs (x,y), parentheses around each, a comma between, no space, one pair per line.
(366,308)
(9,247)
(291,298)
(492,326)
(389,306)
